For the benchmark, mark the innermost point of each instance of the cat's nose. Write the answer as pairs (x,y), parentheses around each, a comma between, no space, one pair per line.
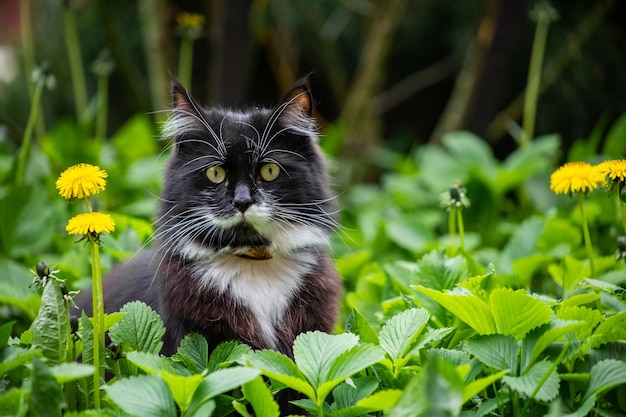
(242,198)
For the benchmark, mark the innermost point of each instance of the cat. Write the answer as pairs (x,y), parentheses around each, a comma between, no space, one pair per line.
(244,222)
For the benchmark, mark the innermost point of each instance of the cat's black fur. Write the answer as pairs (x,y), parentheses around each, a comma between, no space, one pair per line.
(243,258)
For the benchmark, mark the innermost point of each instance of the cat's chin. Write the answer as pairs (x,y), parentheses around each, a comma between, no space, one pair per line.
(254,253)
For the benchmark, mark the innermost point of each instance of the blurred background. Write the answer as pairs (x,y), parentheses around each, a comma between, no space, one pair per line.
(390,73)
(415,99)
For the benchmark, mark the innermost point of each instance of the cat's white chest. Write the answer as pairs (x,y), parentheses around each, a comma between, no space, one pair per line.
(266,287)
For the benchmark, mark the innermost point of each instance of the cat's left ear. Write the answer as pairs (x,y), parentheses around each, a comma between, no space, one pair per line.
(186,114)
(296,109)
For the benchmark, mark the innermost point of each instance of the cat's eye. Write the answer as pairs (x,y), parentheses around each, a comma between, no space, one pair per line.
(216,174)
(269,172)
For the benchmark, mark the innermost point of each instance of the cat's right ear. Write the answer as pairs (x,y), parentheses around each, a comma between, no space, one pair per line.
(186,115)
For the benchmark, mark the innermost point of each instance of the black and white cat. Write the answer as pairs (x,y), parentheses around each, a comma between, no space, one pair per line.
(245,217)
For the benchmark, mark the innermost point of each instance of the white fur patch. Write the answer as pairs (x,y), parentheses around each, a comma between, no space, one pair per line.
(266,287)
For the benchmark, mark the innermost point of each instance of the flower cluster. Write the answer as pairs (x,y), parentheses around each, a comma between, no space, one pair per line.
(582,177)
(83,181)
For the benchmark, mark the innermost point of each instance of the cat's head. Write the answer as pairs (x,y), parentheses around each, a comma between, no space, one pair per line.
(250,183)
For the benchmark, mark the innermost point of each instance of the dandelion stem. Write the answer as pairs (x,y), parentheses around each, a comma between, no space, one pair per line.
(76,61)
(588,246)
(534,73)
(459,211)
(28,52)
(622,206)
(98,317)
(185,61)
(28,133)
(452,223)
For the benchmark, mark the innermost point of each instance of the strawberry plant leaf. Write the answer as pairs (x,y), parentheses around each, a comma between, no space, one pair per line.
(347,364)
(315,353)
(140,329)
(182,388)
(280,368)
(143,396)
(496,351)
(400,331)
(604,376)
(193,352)
(150,363)
(227,353)
(260,398)
(527,383)
(515,313)
(466,307)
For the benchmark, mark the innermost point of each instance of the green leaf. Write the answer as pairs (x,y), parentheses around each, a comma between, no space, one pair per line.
(260,398)
(522,243)
(71,371)
(193,352)
(515,313)
(5,333)
(224,380)
(227,353)
(46,395)
(347,364)
(280,368)
(51,327)
(150,363)
(496,351)
(143,396)
(26,224)
(346,395)
(182,388)
(604,376)
(399,333)
(86,329)
(466,307)
(380,401)
(444,389)
(13,402)
(476,386)
(14,288)
(527,383)
(15,357)
(439,272)
(568,274)
(589,318)
(315,353)
(612,329)
(140,329)
(555,330)
(135,139)
(363,329)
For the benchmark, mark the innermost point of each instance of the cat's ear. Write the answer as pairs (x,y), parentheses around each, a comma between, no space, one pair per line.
(186,114)
(296,109)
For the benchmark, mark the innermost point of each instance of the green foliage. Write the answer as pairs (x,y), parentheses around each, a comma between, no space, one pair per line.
(507,323)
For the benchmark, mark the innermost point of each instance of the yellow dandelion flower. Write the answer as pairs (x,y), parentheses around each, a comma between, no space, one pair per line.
(80,181)
(575,177)
(190,20)
(90,223)
(614,170)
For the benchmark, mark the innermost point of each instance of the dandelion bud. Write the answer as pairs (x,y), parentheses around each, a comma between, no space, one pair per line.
(42,269)
(115,350)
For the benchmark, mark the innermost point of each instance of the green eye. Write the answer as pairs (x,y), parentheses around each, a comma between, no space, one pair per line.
(216,175)
(269,172)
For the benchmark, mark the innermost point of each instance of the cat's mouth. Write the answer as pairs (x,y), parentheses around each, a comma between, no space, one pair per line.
(255,253)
